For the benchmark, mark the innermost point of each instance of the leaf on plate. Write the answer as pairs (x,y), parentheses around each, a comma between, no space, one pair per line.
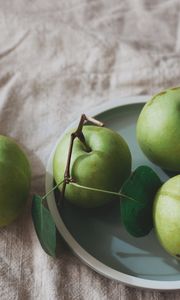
(44,225)
(137,215)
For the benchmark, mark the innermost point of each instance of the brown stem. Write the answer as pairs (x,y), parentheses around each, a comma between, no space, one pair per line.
(67,172)
(79,134)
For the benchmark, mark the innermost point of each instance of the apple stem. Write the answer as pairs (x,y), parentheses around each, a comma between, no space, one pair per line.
(77,134)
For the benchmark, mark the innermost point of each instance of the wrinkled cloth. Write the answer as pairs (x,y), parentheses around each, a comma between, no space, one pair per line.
(58,58)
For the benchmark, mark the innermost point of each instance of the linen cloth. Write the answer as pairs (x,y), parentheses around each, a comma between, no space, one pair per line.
(58,58)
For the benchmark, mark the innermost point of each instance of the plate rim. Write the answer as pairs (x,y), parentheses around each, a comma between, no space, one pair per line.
(79,251)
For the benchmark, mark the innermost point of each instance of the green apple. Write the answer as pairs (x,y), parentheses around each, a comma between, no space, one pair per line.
(15,178)
(166,215)
(158,129)
(106,166)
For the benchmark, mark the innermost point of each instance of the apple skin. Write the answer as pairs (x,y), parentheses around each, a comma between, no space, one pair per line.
(106,167)
(15,176)
(166,216)
(158,129)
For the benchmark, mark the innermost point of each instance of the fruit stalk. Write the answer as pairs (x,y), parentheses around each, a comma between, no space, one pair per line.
(77,134)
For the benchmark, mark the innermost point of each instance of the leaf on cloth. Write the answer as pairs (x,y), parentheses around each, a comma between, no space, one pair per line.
(141,186)
(44,225)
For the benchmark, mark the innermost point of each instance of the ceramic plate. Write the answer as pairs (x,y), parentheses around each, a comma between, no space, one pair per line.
(98,237)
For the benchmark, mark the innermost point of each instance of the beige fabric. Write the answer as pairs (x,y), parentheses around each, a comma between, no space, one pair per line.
(58,58)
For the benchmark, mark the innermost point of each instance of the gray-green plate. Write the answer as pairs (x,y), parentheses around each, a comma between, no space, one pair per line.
(98,237)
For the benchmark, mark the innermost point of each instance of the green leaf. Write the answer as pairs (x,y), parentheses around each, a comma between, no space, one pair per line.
(137,215)
(44,225)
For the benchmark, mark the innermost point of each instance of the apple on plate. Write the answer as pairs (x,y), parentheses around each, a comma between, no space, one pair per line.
(158,129)
(104,164)
(166,215)
(15,176)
